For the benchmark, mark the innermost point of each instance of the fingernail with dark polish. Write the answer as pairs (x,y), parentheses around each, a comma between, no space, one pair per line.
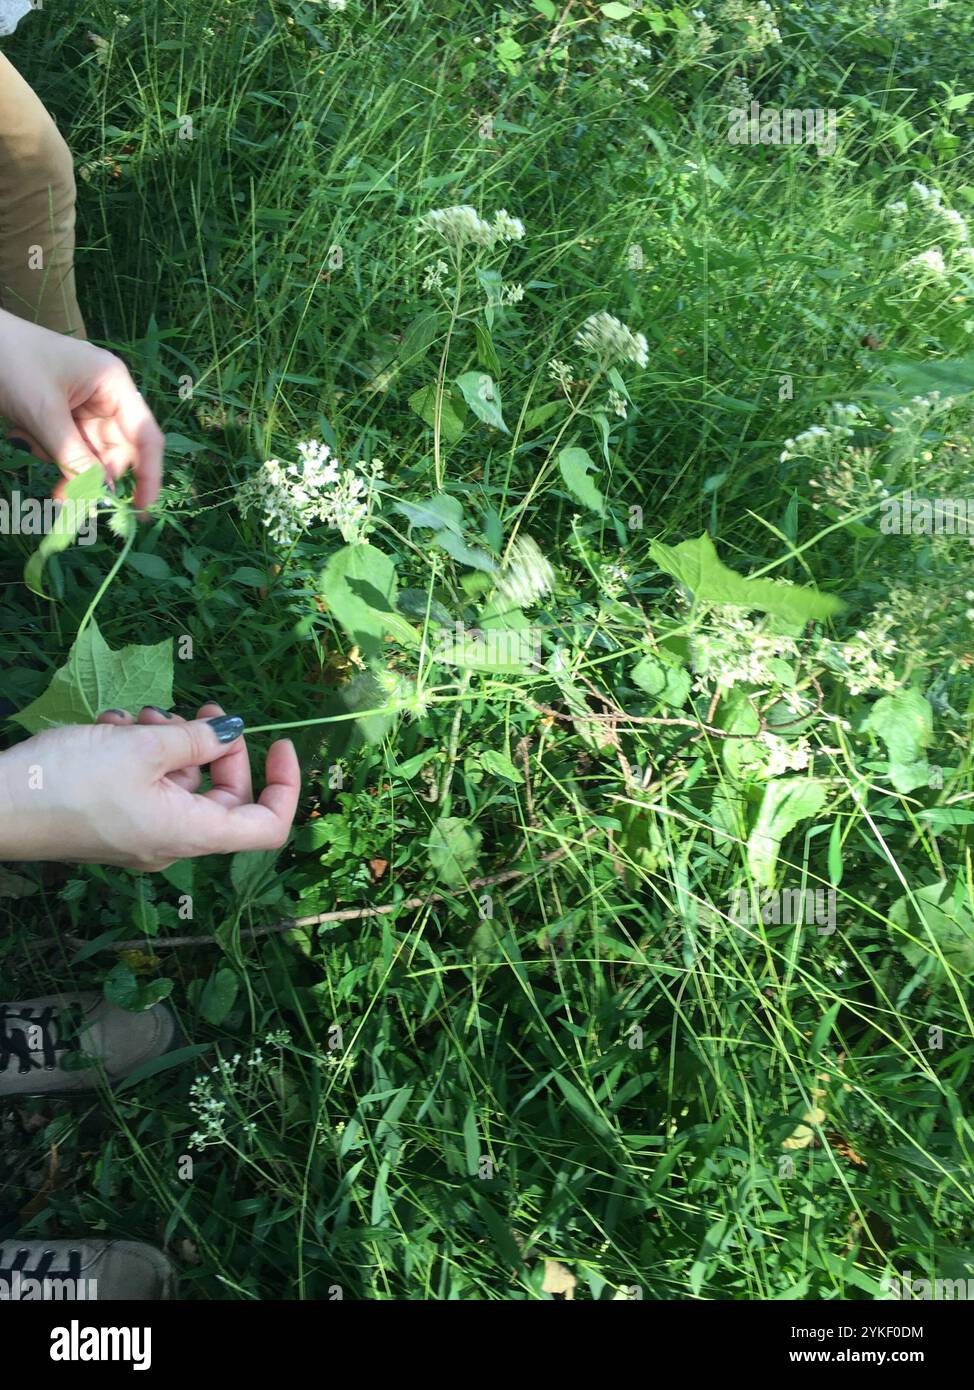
(123,713)
(156,710)
(227,727)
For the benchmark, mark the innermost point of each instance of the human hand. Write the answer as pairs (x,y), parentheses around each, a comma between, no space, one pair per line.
(76,403)
(126,792)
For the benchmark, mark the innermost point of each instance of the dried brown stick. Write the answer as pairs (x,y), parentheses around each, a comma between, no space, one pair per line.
(344,914)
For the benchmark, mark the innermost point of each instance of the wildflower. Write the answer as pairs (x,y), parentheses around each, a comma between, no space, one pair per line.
(626,52)
(458,226)
(338,5)
(512,294)
(928,263)
(560,371)
(292,497)
(617,404)
(785,756)
(463,226)
(611,341)
(527,576)
(435,275)
(506,227)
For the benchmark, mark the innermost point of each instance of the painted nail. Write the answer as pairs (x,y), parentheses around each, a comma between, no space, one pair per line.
(156,710)
(121,712)
(16,442)
(227,727)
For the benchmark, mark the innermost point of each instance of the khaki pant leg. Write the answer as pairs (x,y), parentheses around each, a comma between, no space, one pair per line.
(37,198)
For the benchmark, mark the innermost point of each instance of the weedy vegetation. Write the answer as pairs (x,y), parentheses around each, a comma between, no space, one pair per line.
(562,474)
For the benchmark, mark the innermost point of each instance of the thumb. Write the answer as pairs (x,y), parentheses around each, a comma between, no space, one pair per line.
(195,743)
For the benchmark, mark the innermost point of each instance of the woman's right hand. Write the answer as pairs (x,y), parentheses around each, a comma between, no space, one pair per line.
(127,793)
(77,403)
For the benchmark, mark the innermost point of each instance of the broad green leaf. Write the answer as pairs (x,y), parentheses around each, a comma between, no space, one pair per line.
(419,604)
(483,396)
(541,414)
(95,678)
(500,765)
(423,402)
(664,679)
(438,513)
(904,721)
(359,585)
(250,872)
(615,11)
(576,465)
(466,554)
(79,510)
(486,352)
(951,377)
(419,336)
(947,918)
(786,801)
(125,991)
(453,847)
(15,885)
(695,565)
(219,995)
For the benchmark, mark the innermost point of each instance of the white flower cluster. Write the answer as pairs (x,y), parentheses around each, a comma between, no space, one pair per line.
(527,576)
(626,52)
(339,5)
(738,650)
(932,264)
(863,662)
(933,201)
(698,40)
(562,372)
(294,496)
(816,439)
(785,756)
(463,226)
(435,275)
(760,18)
(611,341)
(618,404)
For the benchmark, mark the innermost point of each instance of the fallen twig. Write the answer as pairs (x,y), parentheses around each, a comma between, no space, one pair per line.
(344,914)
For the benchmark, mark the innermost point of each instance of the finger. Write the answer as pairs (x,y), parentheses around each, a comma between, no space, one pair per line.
(263,824)
(144,437)
(114,716)
(192,744)
(230,777)
(283,781)
(187,777)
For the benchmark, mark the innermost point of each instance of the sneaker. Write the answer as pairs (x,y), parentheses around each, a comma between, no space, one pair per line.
(89,1270)
(59,1044)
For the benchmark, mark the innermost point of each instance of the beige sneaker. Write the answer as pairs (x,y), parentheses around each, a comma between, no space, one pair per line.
(83,1270)
(65,1043)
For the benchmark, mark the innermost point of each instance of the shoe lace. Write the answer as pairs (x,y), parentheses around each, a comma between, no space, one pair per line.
(16,1262)
(54,1029)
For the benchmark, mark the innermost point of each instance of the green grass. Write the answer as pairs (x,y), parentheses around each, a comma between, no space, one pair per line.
(597,1066)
